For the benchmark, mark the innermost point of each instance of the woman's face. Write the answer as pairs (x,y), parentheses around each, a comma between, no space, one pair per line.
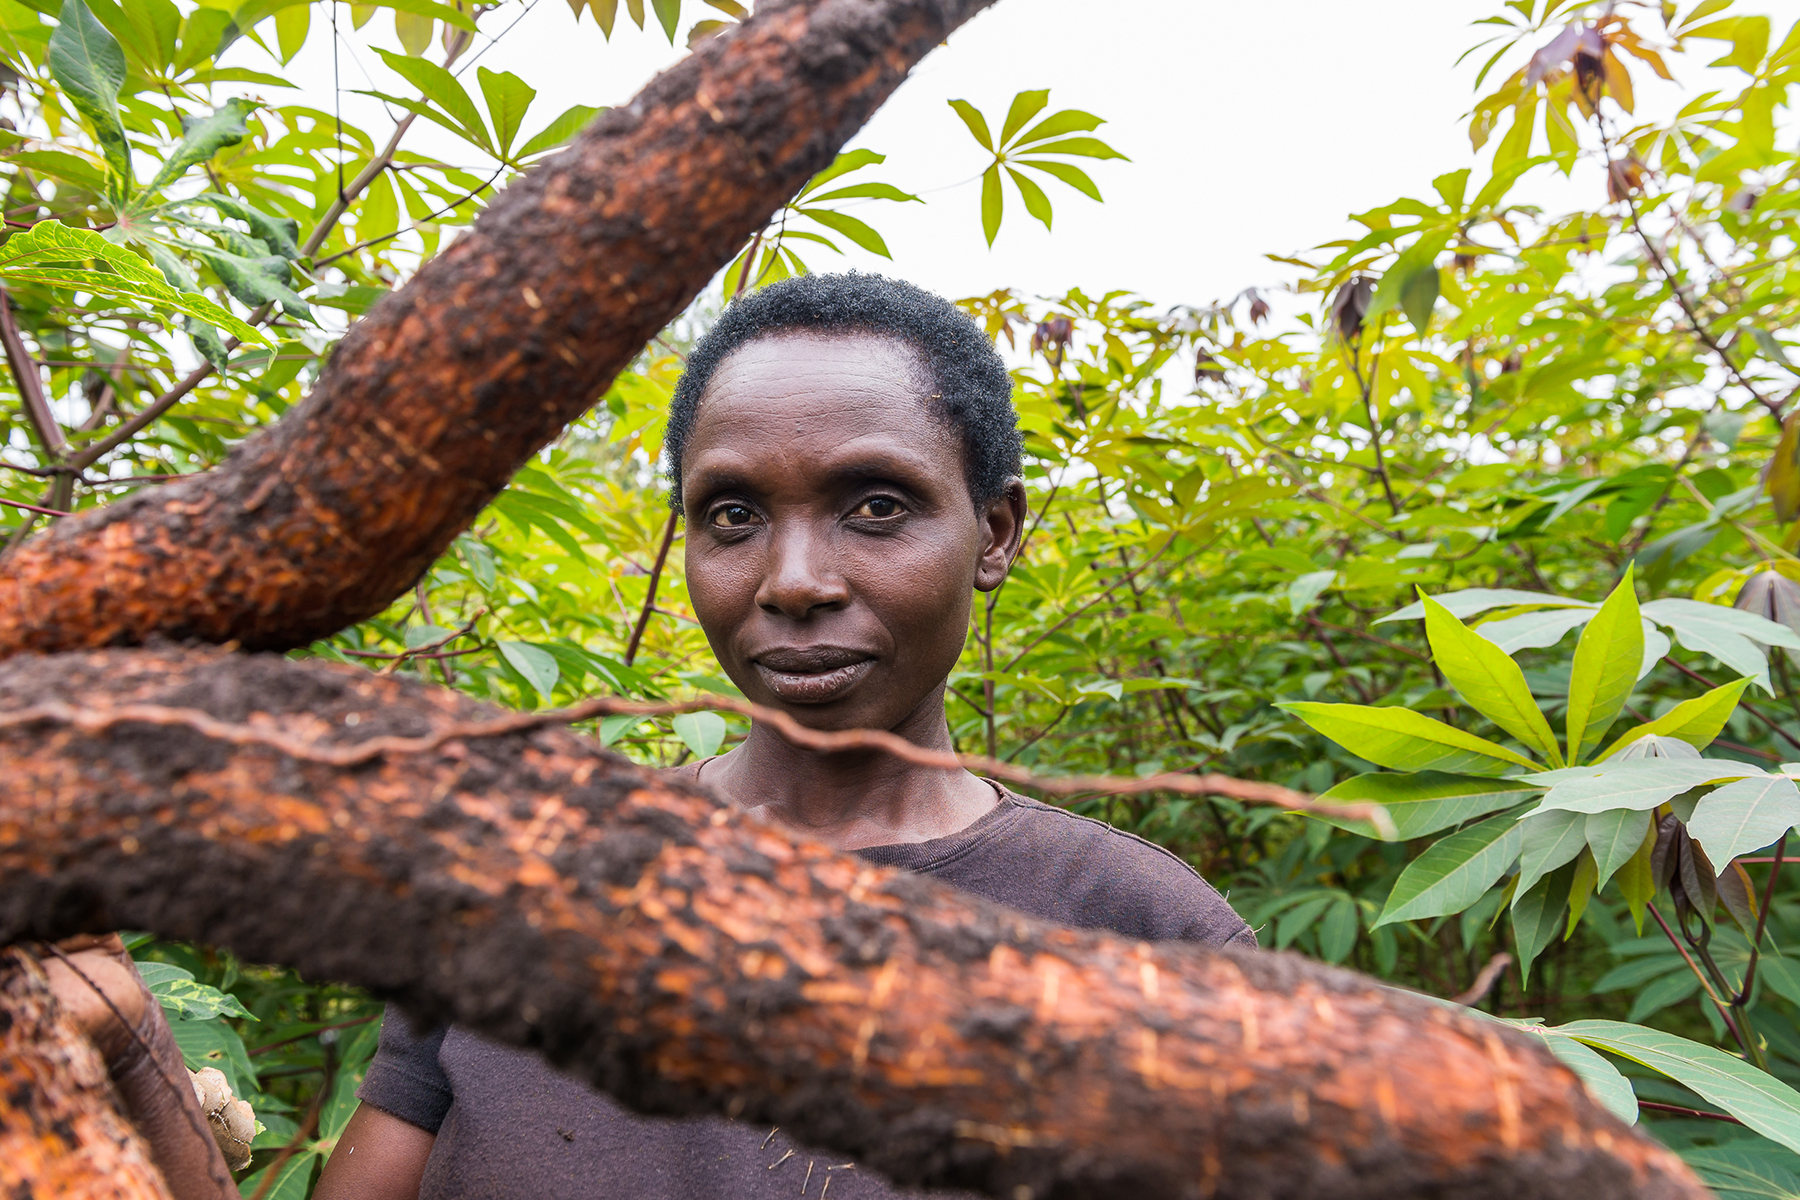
(832,544)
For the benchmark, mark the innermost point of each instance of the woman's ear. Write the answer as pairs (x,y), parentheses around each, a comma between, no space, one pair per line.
(1003,529)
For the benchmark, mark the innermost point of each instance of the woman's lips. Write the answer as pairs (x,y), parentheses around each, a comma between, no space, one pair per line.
(819,686)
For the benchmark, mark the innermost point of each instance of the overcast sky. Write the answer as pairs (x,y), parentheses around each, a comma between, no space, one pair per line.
(1253,128)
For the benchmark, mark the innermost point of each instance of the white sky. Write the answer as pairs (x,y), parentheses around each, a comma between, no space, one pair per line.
(1253,128)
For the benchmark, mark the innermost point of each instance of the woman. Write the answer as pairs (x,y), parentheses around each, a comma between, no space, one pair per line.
(846,454)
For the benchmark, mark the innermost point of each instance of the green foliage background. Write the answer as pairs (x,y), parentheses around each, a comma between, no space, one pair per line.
(1471,393)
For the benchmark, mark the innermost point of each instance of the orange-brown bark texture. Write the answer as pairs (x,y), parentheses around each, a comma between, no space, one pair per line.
(431,403)
(62,1132)
(689,958)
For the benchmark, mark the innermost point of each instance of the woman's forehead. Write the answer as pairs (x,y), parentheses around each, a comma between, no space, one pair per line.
(816,400)
(788,359)
(805,380)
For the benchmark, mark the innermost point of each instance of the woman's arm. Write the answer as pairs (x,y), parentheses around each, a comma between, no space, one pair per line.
(96,984)
(378,1157)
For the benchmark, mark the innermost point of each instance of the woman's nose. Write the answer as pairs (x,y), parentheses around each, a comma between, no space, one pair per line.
(801,575)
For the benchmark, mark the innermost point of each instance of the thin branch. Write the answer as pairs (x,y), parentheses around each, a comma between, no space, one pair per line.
(1484,981)
(1368,401)
(30,384)
(96,721)
(48,512)
(1654,1106)
(643,620)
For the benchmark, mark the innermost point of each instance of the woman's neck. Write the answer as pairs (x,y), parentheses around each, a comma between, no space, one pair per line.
(854,799)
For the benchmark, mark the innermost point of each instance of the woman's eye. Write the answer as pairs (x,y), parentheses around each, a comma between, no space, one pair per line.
(729,516)
(878,506)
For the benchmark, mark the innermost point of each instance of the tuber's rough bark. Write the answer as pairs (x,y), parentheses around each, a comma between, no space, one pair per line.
(432,402)
(62,1132)
(689,959)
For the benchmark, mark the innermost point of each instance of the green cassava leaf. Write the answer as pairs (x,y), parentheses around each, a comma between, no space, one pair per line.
(1061,124)
(1696,722)
(1403,740)
(1744,816)
(1488,680)
(701,731)
(1036,203)
(857,231)
(1025,106)
(993,203)
(1615,837)
(1069,173)
(971,116)
(1422,803)
(441,88)
(89,64)
(203,138)
(1606,668)
(1455,871)
(51,253)
(559,131)
(507,97)
(1537,916)
(1547,841)
(537,665)
(1638,784)
(1756,1098)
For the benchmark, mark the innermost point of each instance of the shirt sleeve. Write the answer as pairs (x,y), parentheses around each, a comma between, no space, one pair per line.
(405,1078)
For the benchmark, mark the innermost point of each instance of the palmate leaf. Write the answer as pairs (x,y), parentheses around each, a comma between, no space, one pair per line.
(1756,1098)
(53,254)
(1422,803)
(1454,872)
(1403,740)
(1488,680)
(1607,660)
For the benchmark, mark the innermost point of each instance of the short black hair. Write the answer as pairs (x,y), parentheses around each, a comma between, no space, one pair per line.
(969,383)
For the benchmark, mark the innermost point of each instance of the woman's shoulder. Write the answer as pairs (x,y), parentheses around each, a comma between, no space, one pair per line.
(1065,867)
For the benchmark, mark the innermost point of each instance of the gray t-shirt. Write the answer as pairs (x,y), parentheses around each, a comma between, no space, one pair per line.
(508,1127)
